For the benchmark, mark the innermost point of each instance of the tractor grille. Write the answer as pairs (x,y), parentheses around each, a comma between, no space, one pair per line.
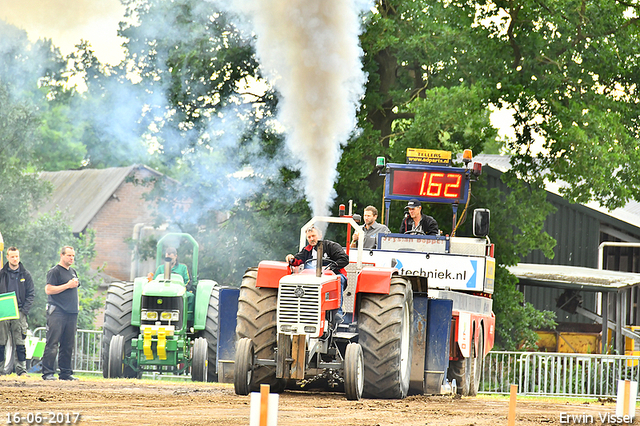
(299,309)
(162,304)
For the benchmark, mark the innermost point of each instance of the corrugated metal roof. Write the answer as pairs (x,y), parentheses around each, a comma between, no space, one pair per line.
(82,193)
(573,277)
(630,213)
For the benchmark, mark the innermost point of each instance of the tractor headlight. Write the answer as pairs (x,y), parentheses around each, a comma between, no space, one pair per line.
(170,316)
(149,315)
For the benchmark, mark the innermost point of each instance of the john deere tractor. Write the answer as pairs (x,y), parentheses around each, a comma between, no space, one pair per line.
(162,325)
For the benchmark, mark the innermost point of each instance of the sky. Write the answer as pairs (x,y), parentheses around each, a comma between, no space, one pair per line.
(67,22)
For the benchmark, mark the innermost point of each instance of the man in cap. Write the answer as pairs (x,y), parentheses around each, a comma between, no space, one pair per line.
(416,222)
(171,254)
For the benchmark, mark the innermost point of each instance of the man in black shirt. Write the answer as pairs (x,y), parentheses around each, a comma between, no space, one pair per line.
(62,316)
(416,222)
(15,277)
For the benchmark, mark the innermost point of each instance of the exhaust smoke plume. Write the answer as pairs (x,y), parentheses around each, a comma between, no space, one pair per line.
(309,51)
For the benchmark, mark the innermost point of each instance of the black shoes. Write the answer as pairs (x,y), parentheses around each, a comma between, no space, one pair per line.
(70,378)
(49,377)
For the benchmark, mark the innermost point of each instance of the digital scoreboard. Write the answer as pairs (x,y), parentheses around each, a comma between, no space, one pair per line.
(428,184)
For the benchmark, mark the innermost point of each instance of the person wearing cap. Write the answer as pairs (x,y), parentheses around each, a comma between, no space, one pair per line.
(371,229)
(176,268)
(416,222)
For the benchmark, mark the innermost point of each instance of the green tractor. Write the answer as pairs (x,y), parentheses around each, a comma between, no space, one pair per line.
(161,325)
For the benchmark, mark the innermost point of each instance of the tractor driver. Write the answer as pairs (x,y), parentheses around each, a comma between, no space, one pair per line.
(331,250)
(416,222)
(176,268)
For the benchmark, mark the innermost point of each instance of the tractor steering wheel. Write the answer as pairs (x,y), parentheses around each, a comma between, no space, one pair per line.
(326,263)
(412,232)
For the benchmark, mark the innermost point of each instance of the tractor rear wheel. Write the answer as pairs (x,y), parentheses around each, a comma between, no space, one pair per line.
(210,333)
(117,321)
(116,357)
(477,364)
(199,360)
(257,315)
(243,366)
(353,372)
(385,328)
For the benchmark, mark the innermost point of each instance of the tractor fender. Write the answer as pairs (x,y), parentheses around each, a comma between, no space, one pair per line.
(138,286)
(203,294)
(375,280)
(270,272)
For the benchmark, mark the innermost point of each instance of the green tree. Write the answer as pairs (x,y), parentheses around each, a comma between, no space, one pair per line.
(567,70)
(39,239)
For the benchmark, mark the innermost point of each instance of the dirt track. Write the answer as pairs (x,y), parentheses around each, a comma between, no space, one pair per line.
(147,402)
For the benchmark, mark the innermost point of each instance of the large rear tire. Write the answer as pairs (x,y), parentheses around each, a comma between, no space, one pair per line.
(210,333)
(199,360)
(353,372)
(257,317)
(385,327)
(477,364)
(117,321)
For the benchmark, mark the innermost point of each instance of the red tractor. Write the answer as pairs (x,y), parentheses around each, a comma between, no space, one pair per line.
(411,306)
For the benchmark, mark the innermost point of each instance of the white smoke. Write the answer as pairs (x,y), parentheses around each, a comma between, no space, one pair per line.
(309,50)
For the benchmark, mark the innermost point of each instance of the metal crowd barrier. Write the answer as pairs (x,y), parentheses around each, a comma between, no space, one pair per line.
(87,354)
(535,373)
(557,374)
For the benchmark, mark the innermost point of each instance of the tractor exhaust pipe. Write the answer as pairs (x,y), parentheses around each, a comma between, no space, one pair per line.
(167,268)
(320,252)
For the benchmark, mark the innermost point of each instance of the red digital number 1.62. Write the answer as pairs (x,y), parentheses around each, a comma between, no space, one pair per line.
(441,185)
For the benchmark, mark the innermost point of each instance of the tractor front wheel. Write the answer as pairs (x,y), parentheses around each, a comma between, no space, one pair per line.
(243,367)
(115,365)
(257,315)
(353,372)
(385,336)
(199,360)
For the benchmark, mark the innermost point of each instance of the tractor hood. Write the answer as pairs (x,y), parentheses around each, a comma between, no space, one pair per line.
(166,288)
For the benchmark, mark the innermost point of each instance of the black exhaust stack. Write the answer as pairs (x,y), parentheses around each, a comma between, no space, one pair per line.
(320,252)
(167,268)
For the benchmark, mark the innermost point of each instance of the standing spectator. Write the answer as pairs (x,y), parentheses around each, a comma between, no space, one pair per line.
(62,316)
(15,277)
(371,229)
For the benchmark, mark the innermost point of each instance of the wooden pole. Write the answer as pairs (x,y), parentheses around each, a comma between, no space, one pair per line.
(512,405)
(264,404)
(627,394)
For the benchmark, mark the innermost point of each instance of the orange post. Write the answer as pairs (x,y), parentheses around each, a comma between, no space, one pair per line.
(264,404)
(627,393)
(512,405)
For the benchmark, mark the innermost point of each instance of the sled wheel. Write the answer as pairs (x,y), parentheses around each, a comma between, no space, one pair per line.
(477,364)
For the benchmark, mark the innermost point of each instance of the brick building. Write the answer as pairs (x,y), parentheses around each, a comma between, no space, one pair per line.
(109,201)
